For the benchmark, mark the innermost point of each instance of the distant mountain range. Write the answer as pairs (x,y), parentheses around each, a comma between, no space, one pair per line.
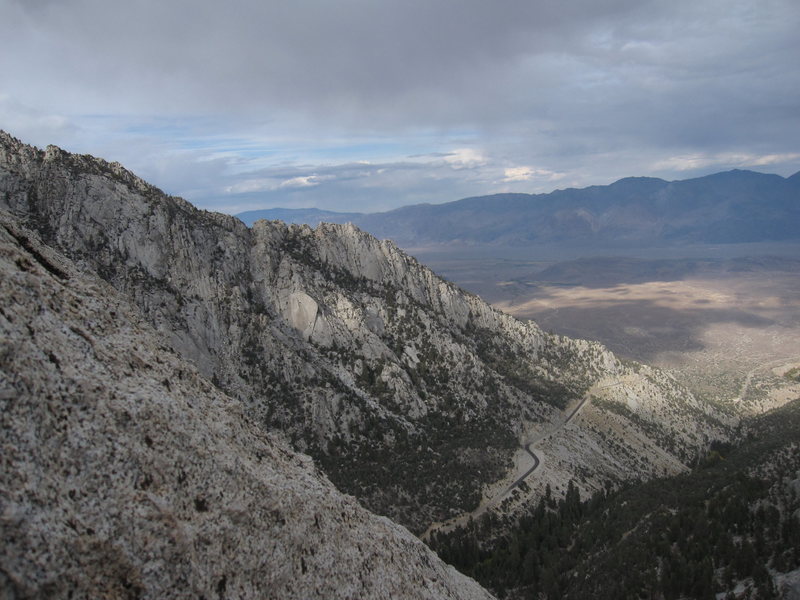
(731,207)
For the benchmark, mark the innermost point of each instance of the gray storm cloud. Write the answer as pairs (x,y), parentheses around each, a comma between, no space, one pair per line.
(546,86)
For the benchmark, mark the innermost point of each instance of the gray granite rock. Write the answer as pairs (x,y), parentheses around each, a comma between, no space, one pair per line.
(127,474)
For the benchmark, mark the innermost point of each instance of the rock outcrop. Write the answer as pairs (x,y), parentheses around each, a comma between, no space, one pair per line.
(127,474)
(409,393)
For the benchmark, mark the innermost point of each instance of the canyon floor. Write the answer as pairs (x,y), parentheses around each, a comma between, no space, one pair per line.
(725,321)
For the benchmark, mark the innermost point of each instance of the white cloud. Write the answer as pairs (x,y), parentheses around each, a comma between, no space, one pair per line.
(692,162)
(515,174)
(465,158)
(32,124)
(269,184)
(304,181)
(251,185)
(775,159)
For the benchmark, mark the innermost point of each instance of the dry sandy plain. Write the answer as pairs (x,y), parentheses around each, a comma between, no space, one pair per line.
(727,326)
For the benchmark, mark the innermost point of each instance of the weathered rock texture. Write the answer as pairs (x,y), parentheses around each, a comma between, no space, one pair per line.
(126,474)
(409,393)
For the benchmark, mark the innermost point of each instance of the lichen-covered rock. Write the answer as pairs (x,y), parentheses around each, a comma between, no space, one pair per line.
(126,474)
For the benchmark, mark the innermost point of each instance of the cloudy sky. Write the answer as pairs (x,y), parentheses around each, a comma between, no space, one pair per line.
(370,104)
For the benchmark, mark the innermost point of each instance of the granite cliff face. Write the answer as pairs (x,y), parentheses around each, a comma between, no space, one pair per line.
(408,392)
(127,474)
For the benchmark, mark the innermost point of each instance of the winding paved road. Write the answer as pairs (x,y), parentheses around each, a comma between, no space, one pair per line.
(527,447)
(749,378)
(536,462)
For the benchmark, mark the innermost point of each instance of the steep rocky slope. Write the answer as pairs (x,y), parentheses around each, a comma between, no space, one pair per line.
(408,392)
(126,474)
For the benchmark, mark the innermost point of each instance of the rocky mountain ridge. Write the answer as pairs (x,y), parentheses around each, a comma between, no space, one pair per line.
(127,474)
(408,392)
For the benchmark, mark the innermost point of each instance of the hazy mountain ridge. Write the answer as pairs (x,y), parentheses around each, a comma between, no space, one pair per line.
(126,474)
(729,207)
(410,393)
